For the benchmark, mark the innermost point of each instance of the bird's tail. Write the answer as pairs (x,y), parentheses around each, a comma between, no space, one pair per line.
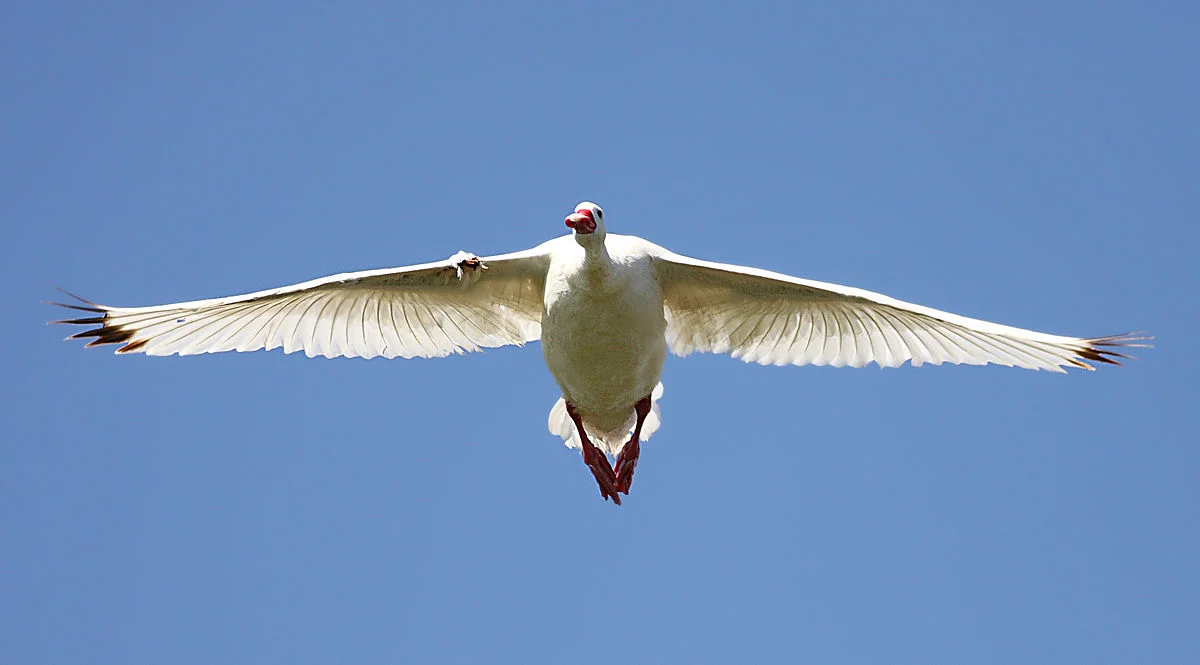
(609,442)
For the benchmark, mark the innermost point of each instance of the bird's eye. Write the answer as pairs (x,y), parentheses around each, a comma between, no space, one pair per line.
(600,213)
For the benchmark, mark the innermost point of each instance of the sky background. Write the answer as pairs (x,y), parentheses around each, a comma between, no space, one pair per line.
(1034,164)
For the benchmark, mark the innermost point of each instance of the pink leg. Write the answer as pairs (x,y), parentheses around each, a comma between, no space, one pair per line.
(628,459)
(596,461)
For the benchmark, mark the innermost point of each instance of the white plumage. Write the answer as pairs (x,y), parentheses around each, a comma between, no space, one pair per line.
(606,308)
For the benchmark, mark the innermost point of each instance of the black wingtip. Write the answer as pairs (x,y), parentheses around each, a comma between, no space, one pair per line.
(81,308)
(94,332)
(82,300)
(1100,349)
(92,320)
(104,334)
(133,346)
(87,306)
(1101,356)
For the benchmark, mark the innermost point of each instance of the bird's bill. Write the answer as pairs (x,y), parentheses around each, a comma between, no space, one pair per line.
(581,222)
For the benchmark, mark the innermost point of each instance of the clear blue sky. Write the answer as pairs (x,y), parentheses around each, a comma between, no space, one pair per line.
(1033,163)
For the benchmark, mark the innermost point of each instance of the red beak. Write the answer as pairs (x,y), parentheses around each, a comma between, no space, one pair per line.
(581,221)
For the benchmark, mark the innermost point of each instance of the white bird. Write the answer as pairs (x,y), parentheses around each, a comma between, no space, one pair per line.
(606,308)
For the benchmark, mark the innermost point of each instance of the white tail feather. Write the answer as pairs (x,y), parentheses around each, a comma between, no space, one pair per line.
(609,442)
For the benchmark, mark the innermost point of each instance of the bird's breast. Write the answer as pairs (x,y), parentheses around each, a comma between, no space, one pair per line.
(604,334)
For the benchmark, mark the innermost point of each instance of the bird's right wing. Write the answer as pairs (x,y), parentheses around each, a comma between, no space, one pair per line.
(460,304)
(771,318)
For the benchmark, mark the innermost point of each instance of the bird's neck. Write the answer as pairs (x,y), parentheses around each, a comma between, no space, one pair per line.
(596,261)
(594,247)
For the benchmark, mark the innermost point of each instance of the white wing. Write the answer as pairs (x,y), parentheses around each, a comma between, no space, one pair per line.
(428,310)
(771,318)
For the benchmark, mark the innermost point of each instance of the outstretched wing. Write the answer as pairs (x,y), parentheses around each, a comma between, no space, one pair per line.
(429,310)
(771,318)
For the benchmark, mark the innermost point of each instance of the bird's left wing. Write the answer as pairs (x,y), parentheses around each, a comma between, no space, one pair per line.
(460,304)
(771,318)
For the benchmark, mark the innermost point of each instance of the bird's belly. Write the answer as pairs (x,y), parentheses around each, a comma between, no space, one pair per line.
(605,352)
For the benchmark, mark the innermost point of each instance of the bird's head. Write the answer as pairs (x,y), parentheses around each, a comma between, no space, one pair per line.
(587,222)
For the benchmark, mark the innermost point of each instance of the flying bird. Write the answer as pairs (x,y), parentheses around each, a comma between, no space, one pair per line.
(606,309)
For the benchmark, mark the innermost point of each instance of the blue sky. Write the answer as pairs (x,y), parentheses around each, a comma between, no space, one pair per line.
(1029,163)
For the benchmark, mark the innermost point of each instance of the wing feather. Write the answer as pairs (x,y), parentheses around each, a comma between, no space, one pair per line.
(428,310)
(771,318)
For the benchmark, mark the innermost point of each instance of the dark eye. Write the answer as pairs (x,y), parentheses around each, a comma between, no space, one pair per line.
(600,213)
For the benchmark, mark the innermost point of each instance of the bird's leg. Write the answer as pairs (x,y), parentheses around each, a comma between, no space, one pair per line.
(628,459)
(596,460)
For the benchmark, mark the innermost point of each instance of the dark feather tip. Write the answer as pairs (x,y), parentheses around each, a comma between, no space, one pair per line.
(103,336)
(81,308)
(1100,348)
(108,339)
(133,346)
(82,300)
(1099,356)
(81,322)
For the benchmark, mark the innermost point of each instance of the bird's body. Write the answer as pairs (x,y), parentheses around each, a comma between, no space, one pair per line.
(606,309)
(603,331)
